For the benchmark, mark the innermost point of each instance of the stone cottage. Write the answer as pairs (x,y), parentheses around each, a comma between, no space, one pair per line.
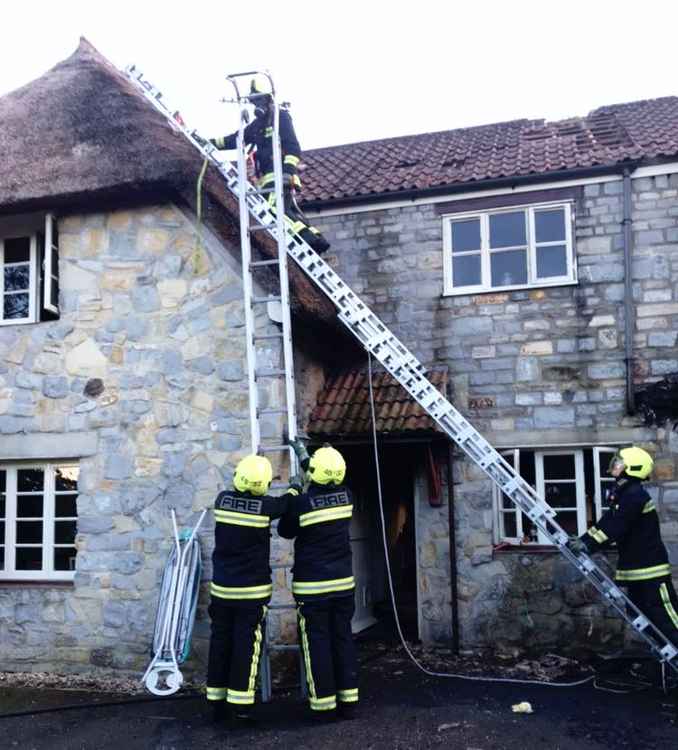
(537,264)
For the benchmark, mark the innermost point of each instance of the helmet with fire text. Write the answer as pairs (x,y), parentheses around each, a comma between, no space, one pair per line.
(327,466)
(253,474)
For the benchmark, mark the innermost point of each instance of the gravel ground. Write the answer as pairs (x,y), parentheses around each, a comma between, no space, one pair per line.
(400,708)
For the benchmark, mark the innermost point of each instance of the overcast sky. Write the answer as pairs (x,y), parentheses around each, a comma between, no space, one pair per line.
(363,69)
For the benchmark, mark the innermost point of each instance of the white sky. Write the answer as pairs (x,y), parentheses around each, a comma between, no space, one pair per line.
(364,69)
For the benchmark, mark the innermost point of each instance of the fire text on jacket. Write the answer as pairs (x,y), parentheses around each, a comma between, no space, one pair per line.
(329,500)
(226,501)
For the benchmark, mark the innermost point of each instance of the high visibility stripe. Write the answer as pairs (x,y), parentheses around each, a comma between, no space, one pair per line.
(668,604)
(348,696)
(241,592)
(268,133)
(326,514)
(269,177)
(292,160)
(256,653)
(649,507)
(242,519)
(323,704)
(600,536)
(323,587)
(307,654)
(644,574)
(216,693)
(292,491)
(219,141)
(241,697)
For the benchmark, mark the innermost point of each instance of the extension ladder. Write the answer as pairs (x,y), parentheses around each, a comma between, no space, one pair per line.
(376,338)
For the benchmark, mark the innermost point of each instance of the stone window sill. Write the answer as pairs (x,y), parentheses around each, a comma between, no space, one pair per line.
(37,584)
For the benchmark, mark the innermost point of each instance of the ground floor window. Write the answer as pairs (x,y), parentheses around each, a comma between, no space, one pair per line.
(573,481)
(38,521)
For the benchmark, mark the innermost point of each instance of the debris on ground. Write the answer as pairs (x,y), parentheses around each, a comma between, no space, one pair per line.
(80,682)
(524,707)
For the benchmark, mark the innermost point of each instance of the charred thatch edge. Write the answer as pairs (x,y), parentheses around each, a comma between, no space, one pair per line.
(658,402)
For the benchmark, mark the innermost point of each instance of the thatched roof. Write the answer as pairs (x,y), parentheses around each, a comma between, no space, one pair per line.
(82,134)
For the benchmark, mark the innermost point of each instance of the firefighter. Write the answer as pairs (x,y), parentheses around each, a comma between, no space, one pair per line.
(241,587)
(259,136)
(323,585)
(632,523)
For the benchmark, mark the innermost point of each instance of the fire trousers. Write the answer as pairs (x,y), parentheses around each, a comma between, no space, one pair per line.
(657,600)
(235,648)
(298,221)
(329,651)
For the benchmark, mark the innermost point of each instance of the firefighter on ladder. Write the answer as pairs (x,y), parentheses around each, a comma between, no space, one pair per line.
(632,523)
(259,137)
(241,587)
(323,585)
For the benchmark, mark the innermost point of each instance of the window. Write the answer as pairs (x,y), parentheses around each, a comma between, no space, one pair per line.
(509,248)
(572,481)
(38,521)
(29,270)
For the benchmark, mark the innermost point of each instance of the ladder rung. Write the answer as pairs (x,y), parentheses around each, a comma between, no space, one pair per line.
(258,263)
(269,373)
(260,300)
(273,448)
(282,646)
(266,412)
(268,336)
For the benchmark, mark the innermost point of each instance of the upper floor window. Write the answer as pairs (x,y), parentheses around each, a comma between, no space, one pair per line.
(38,520)
(573,482)
(508,248)
(29,269)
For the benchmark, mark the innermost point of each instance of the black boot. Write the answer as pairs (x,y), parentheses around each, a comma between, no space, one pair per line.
(347,711)
(220,712)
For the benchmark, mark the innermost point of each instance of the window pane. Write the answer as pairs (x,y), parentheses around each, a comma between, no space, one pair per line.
(568,521)
(64,532)
(30,480)
(2,558)
(465,235)
(66,478)
(561,494)
(507,230)
(18,250)
(551,261)
(29,506)
(29,532)
(16,278)
(54,291)
(3,481)
(466,270)
(65,506)
(15,306)
(559,467)
(64,558)
(549,226)
(509,268)
(2,532)
(2,506)
(510,524)
(29,558)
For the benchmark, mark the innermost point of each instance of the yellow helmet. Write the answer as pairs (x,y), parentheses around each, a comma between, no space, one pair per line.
(327,466)
(253,474)
(257,86)
(637,462)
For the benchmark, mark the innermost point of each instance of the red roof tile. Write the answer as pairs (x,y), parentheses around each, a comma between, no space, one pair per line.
(607,136)
(343,407)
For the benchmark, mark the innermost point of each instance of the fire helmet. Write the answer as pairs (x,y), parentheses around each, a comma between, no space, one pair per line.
(253,474)
(327,466)
(636,462)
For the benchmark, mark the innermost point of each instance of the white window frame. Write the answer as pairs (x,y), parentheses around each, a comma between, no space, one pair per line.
(579,480)
(47,572)
(31,226)
(485,251)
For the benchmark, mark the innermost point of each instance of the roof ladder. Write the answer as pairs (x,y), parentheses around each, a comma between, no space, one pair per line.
(409,372)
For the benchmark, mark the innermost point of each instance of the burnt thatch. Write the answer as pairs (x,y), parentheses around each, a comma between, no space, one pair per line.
(658,402)
(83,134)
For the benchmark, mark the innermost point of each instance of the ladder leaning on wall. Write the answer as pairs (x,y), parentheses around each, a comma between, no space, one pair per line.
(377,339)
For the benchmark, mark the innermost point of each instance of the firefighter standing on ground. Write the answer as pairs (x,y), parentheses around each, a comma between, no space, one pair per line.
(323,584)
(259,136)
(241,586)
(632,523)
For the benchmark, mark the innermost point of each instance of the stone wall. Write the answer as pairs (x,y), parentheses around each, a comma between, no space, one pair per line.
(158,318)
(540,367)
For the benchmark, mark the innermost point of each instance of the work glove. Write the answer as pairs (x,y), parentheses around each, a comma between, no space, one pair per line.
(297,483)
(576,545)
(300,449)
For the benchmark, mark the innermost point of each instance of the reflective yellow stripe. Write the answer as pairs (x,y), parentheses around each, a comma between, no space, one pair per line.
(323,704)
(241,519)
(323,587)
(649,507)
(292,160)
(268,133)
(266,178)
(644,574)
(216,694)
(668,605)
(600,536)
(326,514)
(297,226)
(292,491)
(307,654)
(256,652)
(241,592)
(241,697)
(348,696)
(219,142)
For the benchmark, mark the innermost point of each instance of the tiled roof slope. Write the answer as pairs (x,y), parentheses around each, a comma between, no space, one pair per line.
(343,407)
(608,136)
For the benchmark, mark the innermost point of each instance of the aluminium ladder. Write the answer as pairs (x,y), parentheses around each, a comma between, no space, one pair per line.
(377,339)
